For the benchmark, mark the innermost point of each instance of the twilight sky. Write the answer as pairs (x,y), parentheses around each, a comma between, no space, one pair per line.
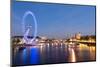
(53,20)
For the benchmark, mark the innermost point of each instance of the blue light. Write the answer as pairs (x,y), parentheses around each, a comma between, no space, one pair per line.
(34,56)
(24,54)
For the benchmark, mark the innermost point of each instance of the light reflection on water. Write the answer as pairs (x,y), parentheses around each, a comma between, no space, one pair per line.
(51,53)
(72,55)
(34,54)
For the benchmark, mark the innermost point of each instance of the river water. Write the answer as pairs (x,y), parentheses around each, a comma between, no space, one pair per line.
(52,54)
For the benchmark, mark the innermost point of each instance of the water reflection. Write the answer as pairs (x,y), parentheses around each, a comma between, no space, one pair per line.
(92,52)
(34,56)
(72,57)
(53,53)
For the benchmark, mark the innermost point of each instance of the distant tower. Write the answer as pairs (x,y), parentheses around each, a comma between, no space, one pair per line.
(78,36)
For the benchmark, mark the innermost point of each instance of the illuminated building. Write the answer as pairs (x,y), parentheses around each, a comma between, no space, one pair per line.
(78,36)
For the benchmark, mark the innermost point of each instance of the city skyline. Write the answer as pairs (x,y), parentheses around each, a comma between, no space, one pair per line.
(54,20)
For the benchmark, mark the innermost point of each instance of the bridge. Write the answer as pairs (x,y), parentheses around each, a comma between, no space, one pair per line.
(89,43)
